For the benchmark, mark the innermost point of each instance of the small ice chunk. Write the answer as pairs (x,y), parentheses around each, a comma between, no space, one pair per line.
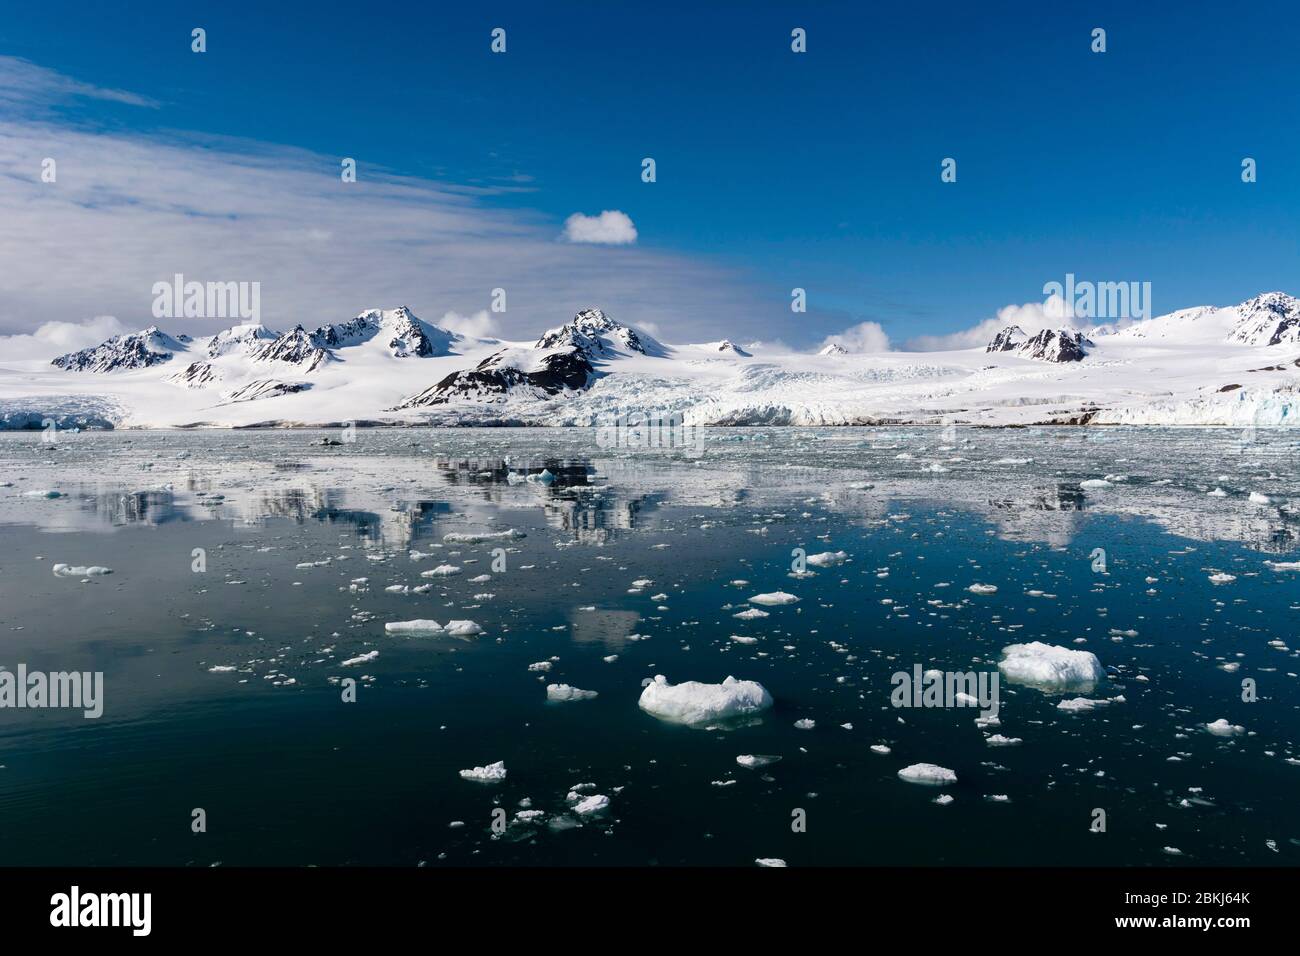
(565,692)
(754,761)
(592,804)
(441,571)
(929,774)
(692,702)
(827,559)
(774,598)
(1221,728)
(360,659)
(418,626)
(492,773)
(1050,667)
(79,570)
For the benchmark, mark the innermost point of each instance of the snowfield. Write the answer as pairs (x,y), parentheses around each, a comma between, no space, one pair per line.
(1237,366)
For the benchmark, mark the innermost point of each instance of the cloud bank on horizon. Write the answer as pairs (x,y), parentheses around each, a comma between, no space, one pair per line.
(130,209)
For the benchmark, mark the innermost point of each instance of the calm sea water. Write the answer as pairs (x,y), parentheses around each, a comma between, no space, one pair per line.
(287,772)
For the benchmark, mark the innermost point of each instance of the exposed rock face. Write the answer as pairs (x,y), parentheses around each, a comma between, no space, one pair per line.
(405,335)
(195,375)
(595,333)
(1009,339)
(295,347)
(498,378)
(727,347)
(241,338)
(1269,319)
(264,388)
(1047,345)
(137,350)
(1056,345)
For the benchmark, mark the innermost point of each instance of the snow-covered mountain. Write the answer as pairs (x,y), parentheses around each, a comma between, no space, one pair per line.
(1238,365)
(136,350)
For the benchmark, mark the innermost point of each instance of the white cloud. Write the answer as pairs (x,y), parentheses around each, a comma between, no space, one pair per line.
(57,338)
(863,337)
(610,228)
(130,209)
(1031,317)
(480,325)
(25,84)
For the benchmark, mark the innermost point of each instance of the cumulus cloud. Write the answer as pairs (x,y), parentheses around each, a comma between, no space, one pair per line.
(480,325)
(129,209)
(863,337)
(58,338)
(610,228)
(1032,317)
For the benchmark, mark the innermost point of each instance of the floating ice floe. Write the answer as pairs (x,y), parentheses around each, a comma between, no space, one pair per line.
(540,666)
(943,799)
(413,627)
(754,761)
(1050,667)
(1258,499)
(1079,705)
(360,659)
(1217,493)
(492,773)
(692,702)
(827,559)
(462,628)
(929,774)
(983,589)
(1221,728)
(997,740)
(221,668)
(595,803)
(774,598)
(770,861)
(1095,484)
(752,614)
(43,493)
(441,571)
(565,692)
(1220,577)
(1283,565)
(805,724)
(882,749)
(741,639)
(79,570)
(468,537)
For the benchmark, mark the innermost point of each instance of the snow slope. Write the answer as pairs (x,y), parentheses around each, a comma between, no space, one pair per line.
(1234,366)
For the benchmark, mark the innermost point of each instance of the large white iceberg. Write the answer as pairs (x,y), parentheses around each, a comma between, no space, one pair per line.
(691,702)
(1049,667)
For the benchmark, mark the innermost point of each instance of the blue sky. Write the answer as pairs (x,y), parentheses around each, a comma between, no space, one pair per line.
(775,169)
